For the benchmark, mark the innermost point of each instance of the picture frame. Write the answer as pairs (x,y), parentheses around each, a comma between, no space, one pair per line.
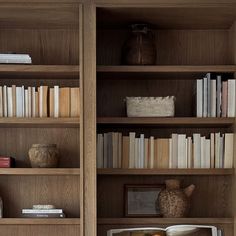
(140,200)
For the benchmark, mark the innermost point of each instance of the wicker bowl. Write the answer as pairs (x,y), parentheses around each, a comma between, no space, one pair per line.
(150,106)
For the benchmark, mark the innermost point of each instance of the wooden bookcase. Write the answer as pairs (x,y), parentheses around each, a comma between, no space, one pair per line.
(78,43)
(191,40)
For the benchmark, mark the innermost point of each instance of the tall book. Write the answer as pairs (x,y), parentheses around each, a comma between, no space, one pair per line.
(228,150)
(174,151)
(26,104)
(182,155)
(115,149)
(19,102)
(163,153)
(170,153)
(196,150)
(30,101)
(64,101)
(146,153)
(14,100)
(9,102)
(212,141)
(5,113)
(56,101)
(208,75)
(199,97)
(33,102)
(43,96)
(151,164)
(51,102)
(131,150)
(36,104)
(189,152)
(217,150)
(207,153)
(105,151)
(1,102)
(205,97)
(125,152)
(224,98)
(203,152)
(119,150)
(231,98)
(141,148)
(218,96)
(75,102)
(109,150)
(99,151)
(213,98)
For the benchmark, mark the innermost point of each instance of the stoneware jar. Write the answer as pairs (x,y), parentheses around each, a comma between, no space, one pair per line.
(43,155)
(173,201)
(139,49)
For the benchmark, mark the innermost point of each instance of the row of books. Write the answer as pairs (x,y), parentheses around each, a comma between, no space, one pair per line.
(179,151)
(39,102)
(215,98)
(12,58)
(43,213)
(7,162)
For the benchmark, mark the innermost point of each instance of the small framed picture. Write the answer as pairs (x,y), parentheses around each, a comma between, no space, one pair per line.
(141,200)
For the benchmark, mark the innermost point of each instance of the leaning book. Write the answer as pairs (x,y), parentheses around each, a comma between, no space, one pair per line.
(175,230)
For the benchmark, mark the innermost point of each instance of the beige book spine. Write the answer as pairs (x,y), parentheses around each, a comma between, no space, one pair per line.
(64,101)
(51,102)
(75,102)
(125,152)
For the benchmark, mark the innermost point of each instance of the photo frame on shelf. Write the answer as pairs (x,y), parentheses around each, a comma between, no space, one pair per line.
(141,200)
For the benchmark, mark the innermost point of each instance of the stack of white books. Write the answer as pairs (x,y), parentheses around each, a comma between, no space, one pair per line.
(15,58)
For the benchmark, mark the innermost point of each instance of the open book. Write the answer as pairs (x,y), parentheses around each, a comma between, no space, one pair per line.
(175,230)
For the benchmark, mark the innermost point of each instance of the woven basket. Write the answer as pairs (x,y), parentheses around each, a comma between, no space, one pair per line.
(150,106)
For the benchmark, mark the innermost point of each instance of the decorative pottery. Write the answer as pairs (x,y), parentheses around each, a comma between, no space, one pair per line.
(173,201)
(140,47)
(1,208)
(43,155)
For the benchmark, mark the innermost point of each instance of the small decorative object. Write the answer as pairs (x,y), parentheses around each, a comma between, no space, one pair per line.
(150,106)
(43,155)
(43,207)
(140,200)
(140,48)
(173,201)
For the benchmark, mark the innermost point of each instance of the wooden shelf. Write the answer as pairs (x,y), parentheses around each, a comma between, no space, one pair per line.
(174,121)
(39,122)
(160,72)
(149,221)
(39,171)
(165,171)
(33,221)
(39,71)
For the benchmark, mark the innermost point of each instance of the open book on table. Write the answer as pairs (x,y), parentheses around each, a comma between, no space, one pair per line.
(175,230)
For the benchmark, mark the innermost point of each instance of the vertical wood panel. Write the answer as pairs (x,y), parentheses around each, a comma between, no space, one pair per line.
(89,119)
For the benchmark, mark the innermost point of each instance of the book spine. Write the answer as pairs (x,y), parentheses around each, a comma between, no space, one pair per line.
(43,215)
(199,97)
(218,96)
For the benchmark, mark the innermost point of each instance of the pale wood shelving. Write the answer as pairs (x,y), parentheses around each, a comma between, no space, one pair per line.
(165,172)
(39,171)
(174,121)
(30,221)
(145,221)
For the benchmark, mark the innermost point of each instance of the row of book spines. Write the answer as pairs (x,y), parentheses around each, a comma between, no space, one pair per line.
(177,152)
(216,98)
(7,162)
(21,102)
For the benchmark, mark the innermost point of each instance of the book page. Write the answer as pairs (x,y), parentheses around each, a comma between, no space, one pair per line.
(190,231)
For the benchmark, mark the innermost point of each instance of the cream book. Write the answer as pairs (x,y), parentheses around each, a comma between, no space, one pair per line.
(125,152)
(43,96)
(175,230)
(228,150)
(163,153)
(51,102)
(75,102)
(64,101)
(9,102)
(131,150)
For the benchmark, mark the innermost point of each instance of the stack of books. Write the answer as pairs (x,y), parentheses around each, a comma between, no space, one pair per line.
(11,58)
(215,97)
(39,102)
(7,162)
(179,151)
(43,213)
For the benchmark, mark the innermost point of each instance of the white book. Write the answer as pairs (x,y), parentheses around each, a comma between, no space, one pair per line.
(136,153)
(23,99)
(199,98)
(33,102)
(142,151)
(203,151)
(29,101)
(222,138)
(174,151)
(228,150)
(26,104)
(146,156)
(182,155)
(218,96)
(212,138)
(9,102)
(41,101)
(213,98)
(231,98)
(52,211)
(205,101)
(19,102)
(5,101)
(189,152)
(170,154)
(56,101)
(217,150)
(151,152)
(207,153)
(15,58)
(196,150)
(132,150)
(1,102)
(208,75)
(105,150)
(119,150)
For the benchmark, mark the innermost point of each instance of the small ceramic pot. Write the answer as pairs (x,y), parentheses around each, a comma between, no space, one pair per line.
(43,155)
